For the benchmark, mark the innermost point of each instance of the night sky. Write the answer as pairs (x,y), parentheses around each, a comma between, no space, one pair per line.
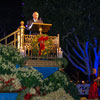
(10,16)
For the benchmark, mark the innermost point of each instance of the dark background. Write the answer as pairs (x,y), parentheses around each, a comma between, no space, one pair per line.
(10,16)
(78,16)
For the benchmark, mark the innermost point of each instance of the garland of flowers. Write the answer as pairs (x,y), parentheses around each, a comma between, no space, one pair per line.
(41,45)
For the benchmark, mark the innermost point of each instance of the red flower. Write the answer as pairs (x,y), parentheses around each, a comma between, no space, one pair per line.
(23,88)
(45,38)
(9,81)
(41,40)
(27,96)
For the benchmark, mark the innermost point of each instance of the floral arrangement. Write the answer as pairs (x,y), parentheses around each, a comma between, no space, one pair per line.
(26,94)
(41,45)
(60,94)
(54,82)
(9,57)
(29,81)
(9,54)
(53,88)
(29,77)
(9,83)
(60,80)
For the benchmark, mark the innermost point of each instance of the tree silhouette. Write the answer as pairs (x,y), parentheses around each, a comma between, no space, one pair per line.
(83,56)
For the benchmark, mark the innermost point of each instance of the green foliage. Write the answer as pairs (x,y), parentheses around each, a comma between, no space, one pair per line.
(9,57)
(54,82)
(72,90)
(60,80)
(6,61)
(29,77)
(62,62)
(11,54)
(4,70)
(60,94)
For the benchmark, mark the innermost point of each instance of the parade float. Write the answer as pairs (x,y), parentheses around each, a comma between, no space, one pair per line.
(31,67)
